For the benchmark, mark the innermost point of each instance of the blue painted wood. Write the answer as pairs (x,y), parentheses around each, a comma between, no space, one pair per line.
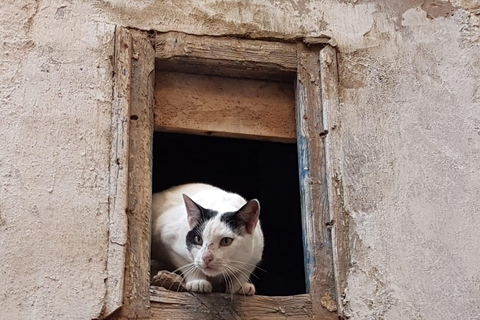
(316,222)
(305,194)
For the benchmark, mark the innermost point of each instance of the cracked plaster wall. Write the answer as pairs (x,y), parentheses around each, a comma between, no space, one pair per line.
(408,131)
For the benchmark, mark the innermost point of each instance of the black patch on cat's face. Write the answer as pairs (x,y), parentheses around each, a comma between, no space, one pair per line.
(234,222)
(207,214)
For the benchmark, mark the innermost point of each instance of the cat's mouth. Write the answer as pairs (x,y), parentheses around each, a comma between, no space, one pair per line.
(211,271)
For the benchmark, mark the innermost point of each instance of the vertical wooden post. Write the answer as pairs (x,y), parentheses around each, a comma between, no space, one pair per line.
(331,118)
(313,186)
(118,179)
(128,282)
(136,300)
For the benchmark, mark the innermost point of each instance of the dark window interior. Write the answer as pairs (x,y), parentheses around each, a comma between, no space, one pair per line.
(264,170)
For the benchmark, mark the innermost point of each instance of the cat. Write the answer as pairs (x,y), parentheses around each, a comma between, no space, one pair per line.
(213,237)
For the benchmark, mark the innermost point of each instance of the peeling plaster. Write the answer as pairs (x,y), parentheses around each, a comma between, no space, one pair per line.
(437,8)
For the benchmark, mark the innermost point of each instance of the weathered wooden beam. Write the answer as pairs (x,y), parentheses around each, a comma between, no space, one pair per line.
(331,116)
(313,186)
(225,56)
(189,306)
(227,107)
(136,300)
(118,180)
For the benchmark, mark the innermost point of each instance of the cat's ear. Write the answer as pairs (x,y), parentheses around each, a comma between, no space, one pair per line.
(249,214)
(194,211)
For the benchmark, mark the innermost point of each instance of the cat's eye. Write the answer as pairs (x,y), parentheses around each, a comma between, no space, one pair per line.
(197,240)
(225,242)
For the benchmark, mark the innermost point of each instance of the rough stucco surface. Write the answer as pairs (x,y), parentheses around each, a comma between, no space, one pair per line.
(411,161)
(408,127)
(55,96)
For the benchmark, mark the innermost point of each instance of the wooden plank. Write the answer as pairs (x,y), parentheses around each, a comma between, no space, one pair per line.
(189,306)
(224,56)
(118,179)
(313,186)
(227,107)
(136,300)
(331,116)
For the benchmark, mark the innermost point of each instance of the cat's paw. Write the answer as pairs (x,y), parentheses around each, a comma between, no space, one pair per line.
(247,289)
(202,286)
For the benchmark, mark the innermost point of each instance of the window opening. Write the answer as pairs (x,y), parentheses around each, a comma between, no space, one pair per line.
(264,170)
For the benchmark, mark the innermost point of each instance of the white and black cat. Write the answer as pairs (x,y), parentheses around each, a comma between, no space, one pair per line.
(212,236)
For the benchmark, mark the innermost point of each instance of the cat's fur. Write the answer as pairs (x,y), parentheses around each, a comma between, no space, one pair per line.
(189,226)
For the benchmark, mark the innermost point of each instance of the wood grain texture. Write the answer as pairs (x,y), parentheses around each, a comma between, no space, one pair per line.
(167,305)
(339,223)
(119,171)
(313,186)
(227,107)
(224,56)
(136,300)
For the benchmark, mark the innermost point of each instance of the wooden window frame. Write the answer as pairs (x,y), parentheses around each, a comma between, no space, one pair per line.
(313,69)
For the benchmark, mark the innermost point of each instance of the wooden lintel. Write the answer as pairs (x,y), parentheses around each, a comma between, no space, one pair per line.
(167,304)
(226,107)
(231,57)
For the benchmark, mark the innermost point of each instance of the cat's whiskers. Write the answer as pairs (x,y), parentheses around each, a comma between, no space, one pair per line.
(240,272)
(230,280)
(233,272)
(192,269)
(248,264)
(186,270)
(231,268)
(245,269)
(174,271)
(229,283)
(188,265)
(225,279)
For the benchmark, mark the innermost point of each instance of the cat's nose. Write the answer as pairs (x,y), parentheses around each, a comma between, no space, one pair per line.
(207,259)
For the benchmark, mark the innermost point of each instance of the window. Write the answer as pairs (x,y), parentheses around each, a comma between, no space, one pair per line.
(312,72)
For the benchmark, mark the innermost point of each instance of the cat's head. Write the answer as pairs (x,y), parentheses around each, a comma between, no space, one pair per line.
(220,241)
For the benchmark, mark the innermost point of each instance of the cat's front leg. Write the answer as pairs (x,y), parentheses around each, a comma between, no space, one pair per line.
(241,285)
(196,283)
(245,288)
